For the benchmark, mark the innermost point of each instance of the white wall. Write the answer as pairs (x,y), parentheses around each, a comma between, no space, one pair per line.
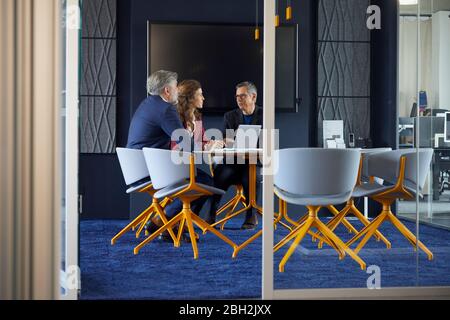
(441,59)
(408,63)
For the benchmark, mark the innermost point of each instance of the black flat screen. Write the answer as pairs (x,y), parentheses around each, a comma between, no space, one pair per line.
(221,56)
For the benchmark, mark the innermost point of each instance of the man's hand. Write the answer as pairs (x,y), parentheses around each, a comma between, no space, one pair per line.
(229,142)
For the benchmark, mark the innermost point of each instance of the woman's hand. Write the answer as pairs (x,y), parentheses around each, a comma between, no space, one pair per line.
(214,144)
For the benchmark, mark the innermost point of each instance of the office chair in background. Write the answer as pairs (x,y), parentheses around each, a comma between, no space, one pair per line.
(136,176)
(398,168)
(350,208)
(177,181)
(303,178)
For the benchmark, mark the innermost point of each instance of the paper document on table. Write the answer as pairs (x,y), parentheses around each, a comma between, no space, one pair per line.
(240,150)
(332,130)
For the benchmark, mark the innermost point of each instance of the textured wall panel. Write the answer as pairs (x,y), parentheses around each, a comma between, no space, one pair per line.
(344,66)
(98,123)
(343,20)
(99,67)
(344,69)
(355,112)
(98,77)
(99,18)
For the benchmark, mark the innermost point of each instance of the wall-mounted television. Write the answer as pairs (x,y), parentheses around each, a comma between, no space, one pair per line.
(222,55)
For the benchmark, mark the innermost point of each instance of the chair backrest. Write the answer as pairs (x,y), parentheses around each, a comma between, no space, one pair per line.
(317,172)
(133,165)
(165,167)
(386,165)
(366,154)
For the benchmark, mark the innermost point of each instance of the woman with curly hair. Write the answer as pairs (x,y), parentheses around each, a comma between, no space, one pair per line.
(190,102)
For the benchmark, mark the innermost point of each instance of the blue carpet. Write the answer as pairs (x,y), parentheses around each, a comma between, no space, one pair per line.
(161,271)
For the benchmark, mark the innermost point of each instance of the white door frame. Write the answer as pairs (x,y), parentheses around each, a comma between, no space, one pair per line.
(269,126)
(70,277)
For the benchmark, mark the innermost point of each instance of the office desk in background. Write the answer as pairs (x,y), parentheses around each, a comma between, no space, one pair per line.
(441,163)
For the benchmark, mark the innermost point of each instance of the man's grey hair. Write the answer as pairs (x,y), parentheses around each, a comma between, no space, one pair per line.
(251,88)
(159,80)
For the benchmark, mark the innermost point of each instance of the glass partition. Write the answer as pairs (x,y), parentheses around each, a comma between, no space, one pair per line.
(69,273)
(410,247)
(430,212)
(434,209)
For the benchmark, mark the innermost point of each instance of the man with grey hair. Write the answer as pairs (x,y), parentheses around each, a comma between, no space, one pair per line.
(226,175)
(156,118)
(152,126)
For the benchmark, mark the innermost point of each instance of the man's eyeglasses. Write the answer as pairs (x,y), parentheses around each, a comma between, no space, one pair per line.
(241,96)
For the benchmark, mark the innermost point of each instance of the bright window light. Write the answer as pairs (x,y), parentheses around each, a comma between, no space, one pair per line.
(408,2)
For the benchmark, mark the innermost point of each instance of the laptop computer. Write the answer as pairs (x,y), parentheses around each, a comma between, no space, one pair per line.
(246,137)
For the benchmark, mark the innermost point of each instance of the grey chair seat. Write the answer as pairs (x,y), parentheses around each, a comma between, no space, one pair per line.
(177,187)
(310,200)
(368,189)
(139,187)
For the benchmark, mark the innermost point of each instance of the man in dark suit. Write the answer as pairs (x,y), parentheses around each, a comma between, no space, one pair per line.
(152,126)
(226,175)
(156,118)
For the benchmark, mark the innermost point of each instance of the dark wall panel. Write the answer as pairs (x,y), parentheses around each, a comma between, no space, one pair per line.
(99,18)
(98,77)
(101,183)
(384,83)
(97,124)
(103,191)
(344,66)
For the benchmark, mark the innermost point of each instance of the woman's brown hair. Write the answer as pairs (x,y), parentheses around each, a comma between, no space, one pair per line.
(186,109)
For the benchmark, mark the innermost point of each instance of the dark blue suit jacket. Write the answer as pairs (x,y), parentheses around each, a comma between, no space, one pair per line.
(153,124)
